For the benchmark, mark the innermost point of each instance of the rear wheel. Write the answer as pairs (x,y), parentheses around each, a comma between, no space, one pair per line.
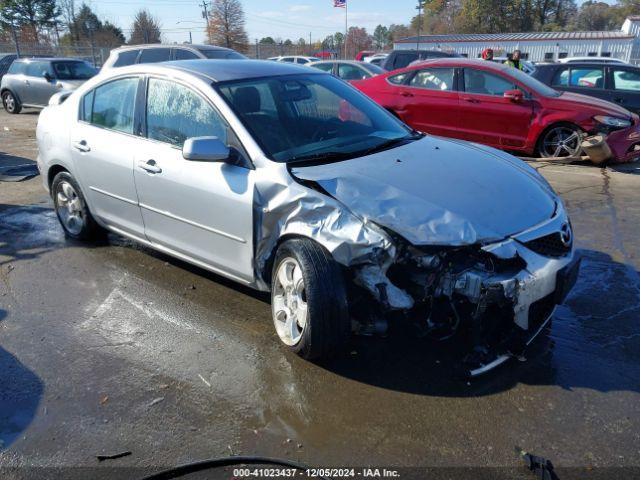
(71,208)
(11,103)
(562,140)
(309,300)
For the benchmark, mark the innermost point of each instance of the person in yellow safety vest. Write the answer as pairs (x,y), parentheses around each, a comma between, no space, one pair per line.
(514,60)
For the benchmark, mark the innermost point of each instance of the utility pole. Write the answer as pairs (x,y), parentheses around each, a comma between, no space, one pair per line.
(15,39)
(310,47)
(419,8)
(190,37)
(205,15)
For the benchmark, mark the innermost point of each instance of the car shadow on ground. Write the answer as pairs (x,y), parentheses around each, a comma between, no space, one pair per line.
(20,394)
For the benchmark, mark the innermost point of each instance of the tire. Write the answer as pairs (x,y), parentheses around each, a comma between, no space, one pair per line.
(71,209)
(304,273)
(552,141)
(11,103)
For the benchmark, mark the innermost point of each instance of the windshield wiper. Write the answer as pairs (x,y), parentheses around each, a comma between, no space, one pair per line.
(328,156)
(391,143)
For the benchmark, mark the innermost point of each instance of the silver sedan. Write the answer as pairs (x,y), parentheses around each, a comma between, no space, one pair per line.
(288,180)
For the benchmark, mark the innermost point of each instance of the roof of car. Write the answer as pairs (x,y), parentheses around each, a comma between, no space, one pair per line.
(460,62)
(193,46)
(47,59)
(224,70)
(585,63)
(351,62)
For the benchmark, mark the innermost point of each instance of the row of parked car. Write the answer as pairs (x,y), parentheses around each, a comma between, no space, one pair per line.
(543,113)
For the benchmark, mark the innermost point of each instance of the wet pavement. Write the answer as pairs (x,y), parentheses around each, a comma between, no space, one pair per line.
(112,347)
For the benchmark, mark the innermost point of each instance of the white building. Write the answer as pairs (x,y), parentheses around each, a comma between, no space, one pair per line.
(538,46)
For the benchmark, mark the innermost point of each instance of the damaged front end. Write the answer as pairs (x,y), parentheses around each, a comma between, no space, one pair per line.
(496,297)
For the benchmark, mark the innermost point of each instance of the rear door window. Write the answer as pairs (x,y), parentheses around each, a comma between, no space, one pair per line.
(17,68)
(113,105)
(561,78)
(351,72)
(586,77)
(155,55)
(626,80)
(128,57)
(325,67)
(182,54)
(433,79)
(37,69)
(404,59)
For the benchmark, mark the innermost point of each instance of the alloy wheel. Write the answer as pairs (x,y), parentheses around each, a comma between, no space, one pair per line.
(561,141)
(9,102)
(289,302)
(69,208)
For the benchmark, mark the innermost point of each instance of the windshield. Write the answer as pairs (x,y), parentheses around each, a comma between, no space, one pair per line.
(312,117)
(221,54)
(535,85)
(73,70)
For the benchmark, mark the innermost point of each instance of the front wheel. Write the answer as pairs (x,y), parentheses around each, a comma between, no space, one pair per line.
(72,210)
(561,141)
(11,103)
(309,300)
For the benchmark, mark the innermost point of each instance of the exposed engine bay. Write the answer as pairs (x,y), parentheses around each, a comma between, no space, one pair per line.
(497,305)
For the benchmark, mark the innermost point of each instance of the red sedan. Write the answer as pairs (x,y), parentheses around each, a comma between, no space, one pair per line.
(502,107)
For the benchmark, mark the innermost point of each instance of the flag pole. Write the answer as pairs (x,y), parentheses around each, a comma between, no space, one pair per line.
(346,29)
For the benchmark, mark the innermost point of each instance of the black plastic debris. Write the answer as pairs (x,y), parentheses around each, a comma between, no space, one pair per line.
(540,466)
(18,173)
(113,456)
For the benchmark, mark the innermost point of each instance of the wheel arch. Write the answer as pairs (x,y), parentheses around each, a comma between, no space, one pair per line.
(54,170)
(265,273)
(7,89)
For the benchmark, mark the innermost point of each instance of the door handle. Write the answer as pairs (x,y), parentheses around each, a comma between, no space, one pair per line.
(470,100)
(149,166)
(26,82)
(82,146)
(407,94)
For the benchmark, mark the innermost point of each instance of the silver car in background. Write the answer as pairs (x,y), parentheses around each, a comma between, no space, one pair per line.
(31,82)
(286,179)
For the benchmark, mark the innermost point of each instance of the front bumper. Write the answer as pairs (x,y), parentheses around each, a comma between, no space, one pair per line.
(538,313)
(625,144)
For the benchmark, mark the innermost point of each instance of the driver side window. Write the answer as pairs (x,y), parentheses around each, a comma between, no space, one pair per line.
(485,83)
(176,113)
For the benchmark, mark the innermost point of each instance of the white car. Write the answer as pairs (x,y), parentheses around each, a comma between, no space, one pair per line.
(299,59)
(592,60)
(287,179)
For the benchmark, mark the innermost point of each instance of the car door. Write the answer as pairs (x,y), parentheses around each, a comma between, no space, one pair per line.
(486,116)
(202,210)
(430,103)
(625,87)
(38,87)
(103,143)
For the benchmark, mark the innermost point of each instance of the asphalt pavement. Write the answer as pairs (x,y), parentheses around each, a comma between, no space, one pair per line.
(112,348)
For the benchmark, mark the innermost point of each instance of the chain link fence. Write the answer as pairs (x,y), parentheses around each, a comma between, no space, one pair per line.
(95,55)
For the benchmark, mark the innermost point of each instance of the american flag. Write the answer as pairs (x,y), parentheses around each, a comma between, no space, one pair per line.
(340,3)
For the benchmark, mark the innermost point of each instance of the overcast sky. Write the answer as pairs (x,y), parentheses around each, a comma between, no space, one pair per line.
(276,18)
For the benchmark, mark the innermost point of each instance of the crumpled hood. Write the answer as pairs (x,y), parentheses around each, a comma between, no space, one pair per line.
(607,108)
(439,192)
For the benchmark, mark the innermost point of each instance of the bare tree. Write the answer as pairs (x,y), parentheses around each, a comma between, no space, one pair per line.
(226,25)
(146,28)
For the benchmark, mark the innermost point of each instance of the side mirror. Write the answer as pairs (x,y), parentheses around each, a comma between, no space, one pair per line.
(515,96)
(205,149)
(46,76)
